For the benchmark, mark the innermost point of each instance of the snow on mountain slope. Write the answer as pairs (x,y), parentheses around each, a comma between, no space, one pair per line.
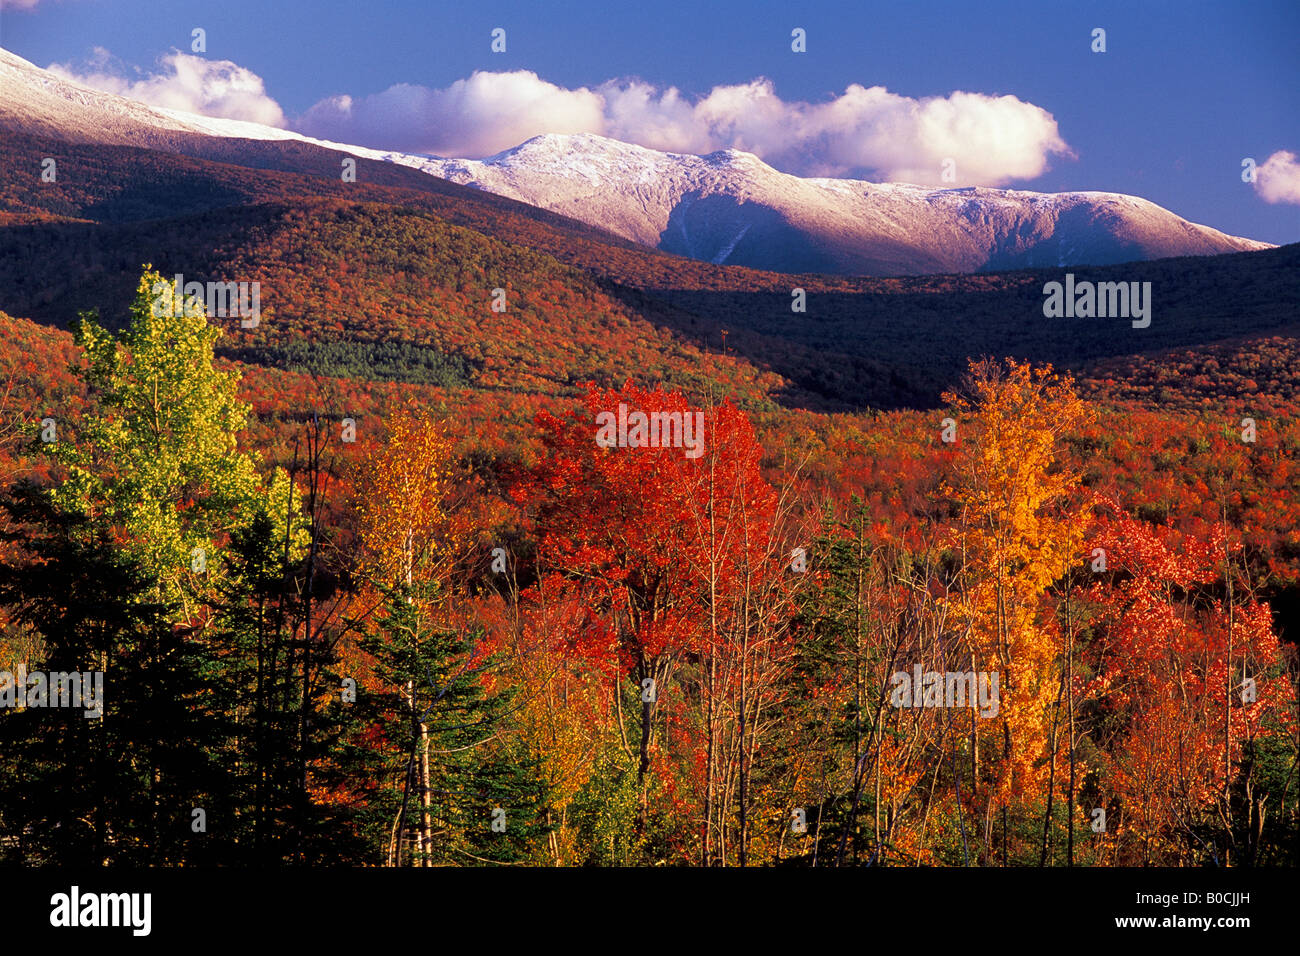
(726,207)
(36,101)
(729,206)
(41,103)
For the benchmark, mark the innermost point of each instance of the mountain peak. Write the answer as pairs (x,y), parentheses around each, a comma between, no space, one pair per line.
(730,206)
(573,143)
(726,206)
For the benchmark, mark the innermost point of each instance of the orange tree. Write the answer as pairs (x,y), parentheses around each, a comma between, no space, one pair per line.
(1016,532)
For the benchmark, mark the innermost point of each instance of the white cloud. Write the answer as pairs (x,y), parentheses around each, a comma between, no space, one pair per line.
(472,118)
(185,82)
(1278,179)
(864,131)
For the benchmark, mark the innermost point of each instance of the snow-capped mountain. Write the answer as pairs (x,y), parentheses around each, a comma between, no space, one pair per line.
(42,103)
(730,207)
(726,207)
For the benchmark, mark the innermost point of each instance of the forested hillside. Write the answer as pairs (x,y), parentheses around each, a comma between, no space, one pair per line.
(358,262)
(419,592)
(434,622)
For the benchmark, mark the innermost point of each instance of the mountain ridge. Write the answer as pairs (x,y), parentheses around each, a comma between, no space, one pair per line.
(725,207)
(730,207)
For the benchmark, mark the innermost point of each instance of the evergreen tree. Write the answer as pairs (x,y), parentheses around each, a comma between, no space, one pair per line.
(121,787)
(149,559)
(457,787)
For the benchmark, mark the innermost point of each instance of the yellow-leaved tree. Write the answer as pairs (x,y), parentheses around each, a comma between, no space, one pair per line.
(158,460)
(1017,532)
(401,502)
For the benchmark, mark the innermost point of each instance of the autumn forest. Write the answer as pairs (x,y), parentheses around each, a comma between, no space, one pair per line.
(355,514)
(392,635)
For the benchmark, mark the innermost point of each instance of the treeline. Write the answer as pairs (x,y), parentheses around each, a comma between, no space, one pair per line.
(383,652)
(372,361)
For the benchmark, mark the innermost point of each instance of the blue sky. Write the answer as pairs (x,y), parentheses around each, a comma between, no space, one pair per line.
(1184,91)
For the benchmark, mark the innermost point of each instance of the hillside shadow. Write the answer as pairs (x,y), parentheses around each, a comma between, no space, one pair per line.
(722,230)
(850,350)
(1101,248)
(137,201)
